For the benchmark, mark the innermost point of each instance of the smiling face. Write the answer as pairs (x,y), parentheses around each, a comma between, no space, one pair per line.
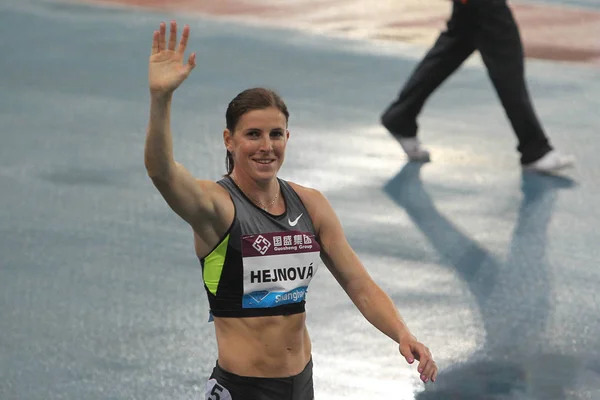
(258,143)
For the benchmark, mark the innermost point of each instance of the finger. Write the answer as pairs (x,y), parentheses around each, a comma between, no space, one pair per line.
(155,48)
(162,36)
(173,35)
(407,353)
(429,370)
(432,373)
(424,356)
(191,64)
(184,40)
(422,366)
(192,60)
(435,374)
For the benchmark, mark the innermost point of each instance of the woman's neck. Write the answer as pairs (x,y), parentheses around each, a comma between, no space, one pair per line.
(264,194)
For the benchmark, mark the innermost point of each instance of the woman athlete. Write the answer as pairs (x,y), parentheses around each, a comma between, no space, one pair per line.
(260,240)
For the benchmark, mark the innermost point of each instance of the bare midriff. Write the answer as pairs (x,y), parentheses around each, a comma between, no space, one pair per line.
(265,347)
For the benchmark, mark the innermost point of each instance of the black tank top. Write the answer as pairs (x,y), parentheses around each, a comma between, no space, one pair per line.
(264,263)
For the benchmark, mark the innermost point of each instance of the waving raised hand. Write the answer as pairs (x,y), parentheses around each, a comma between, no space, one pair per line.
(166,70)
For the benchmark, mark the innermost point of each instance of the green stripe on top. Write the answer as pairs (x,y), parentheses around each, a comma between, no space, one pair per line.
(213,265)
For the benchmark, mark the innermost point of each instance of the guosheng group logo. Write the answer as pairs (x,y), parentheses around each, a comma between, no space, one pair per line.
(291,240)
(261,244)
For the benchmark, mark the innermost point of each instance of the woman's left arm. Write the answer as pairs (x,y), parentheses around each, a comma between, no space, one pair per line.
(373,303)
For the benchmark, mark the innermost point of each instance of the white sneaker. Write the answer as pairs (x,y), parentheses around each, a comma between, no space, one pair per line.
(551,162)
(413,149)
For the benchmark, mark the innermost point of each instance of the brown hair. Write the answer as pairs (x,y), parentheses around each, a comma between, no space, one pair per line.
(249,100)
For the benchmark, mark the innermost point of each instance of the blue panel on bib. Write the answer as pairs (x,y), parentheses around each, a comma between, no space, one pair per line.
(264,299)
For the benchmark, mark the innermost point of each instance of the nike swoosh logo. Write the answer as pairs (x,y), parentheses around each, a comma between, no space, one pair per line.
(294,222)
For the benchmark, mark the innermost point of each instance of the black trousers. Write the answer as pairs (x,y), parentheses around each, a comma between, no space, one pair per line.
(489,27)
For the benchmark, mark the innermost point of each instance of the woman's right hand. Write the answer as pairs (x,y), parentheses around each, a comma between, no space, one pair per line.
(166,70)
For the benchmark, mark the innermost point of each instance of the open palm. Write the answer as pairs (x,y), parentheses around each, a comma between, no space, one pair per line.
(166,70)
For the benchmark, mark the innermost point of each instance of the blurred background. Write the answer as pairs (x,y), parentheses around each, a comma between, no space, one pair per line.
(101,295)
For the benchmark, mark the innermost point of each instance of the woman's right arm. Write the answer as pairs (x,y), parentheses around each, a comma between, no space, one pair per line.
(187,196)
(191,199)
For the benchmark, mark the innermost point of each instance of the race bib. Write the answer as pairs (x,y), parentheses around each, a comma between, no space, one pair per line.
(278,267)
(214,391)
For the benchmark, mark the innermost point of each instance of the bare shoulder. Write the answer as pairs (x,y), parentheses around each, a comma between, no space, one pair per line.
(308,195)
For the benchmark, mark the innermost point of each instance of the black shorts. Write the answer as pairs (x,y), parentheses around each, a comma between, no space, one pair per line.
(223,385)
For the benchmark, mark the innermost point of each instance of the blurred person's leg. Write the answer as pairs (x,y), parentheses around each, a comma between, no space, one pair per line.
(452,48)
(499,42)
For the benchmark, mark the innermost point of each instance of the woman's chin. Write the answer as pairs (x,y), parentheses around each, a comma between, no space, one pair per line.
(265,172)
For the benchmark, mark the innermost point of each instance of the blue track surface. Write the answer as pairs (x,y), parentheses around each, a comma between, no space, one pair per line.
(100,292)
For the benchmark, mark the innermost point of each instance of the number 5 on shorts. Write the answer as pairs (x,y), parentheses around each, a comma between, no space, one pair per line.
(214,391)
